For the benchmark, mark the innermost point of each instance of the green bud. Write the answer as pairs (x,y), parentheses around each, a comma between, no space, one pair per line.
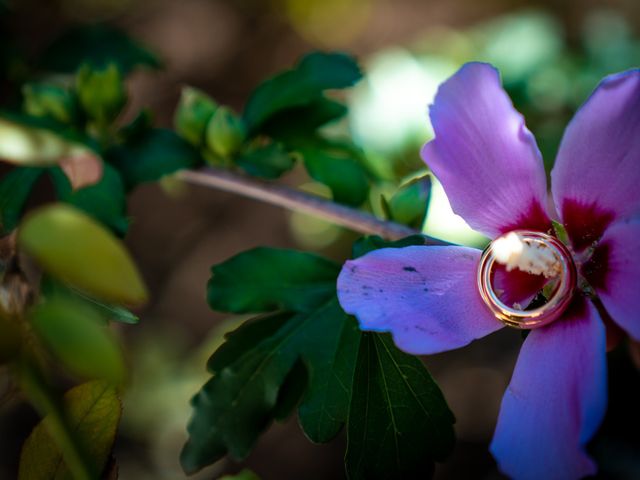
(49,101)
(409,204)
(225,132)
(102,93)
(193,113)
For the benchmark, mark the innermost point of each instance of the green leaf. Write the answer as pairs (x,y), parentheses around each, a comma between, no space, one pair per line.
(266,279)
(269,162)
(330,352)
(105,201)
(300,86)
(241,400)
(78,250)
(15,188)
(193,113)
(101,92)
(48,100)
(399,422)
(367,244)
(346,178)
(97,45)
(225,132)
(303,121)
(243,475)
(92,412)
(151,156)
(28,141)
(409,203)
(50,287)
(76,334)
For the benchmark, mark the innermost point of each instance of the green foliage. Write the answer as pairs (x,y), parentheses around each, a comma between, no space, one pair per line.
(345,177)
(270,161)
(98,46)
(306,355)
(367,244)
(105,201)
(192,116)
(28,141)
(409,203)
(101,92)
(299,87)
(285,280)
(76,335)
(75,248)
(301,121)
(225,132)
(48,100)
(91,413)
(243,475)
(151,155)
(399,422)
(15,187)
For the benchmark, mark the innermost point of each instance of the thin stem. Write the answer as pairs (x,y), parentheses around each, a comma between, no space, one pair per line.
(298,201)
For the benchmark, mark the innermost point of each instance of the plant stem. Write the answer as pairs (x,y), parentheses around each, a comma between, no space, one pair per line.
(298,201)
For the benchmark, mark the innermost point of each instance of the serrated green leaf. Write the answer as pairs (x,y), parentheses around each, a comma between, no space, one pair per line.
(265,279)
(15,187)
(300,86)
(367,244)
(105,201)
(330,352)
(152,155)
(92,412)
(346,178)
(241,400)
(77,336)
(399,422)
(193,113)
(75,248)
(97,45)
(269,162)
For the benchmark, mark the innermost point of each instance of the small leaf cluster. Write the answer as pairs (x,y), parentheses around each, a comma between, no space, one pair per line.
(282,123)
(302,352)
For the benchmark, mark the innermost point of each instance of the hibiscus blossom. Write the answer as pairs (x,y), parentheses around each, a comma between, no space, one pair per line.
(430,298)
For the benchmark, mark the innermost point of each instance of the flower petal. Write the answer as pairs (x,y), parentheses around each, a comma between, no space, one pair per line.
(556,400)
(486,159)
(596,176)
(516,286)
(614,271)
(426,296)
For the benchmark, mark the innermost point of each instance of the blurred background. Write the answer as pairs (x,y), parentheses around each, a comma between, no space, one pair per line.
(551,55)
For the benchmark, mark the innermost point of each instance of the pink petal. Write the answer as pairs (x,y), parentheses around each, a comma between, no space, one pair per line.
(614,271)
(556,400)
(596,176)
(486,159)
(425,296)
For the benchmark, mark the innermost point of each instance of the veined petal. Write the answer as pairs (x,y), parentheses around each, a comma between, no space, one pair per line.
(484,155)
(614,271)
(425,296)
(596,176)
(556,400)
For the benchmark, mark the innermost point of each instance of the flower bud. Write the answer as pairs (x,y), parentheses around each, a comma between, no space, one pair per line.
(102,93)
(225,132)
(194,111)
(49,101)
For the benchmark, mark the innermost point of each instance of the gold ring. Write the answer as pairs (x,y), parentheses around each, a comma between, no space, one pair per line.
(559,299)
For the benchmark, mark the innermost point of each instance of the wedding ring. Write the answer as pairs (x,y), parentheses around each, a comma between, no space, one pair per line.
(559,298)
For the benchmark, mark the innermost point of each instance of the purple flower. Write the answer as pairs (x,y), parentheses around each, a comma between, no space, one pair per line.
(492,171)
